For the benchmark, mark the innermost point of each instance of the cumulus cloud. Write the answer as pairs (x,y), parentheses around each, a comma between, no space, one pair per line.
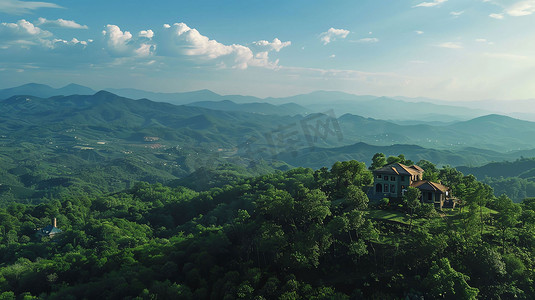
(430,4)
(456,13)
(17,7)
(496,16)
(332,34)
(22,33)
(146,33)
(522,8)
(60,23)
(419,32)
(181,39)
(122,43)
(450,45)
(276,45)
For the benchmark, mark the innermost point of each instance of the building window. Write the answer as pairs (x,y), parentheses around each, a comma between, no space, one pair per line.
(379,176)
(393,188)
(392,178)
(386,188)
(402,178)
(429,196)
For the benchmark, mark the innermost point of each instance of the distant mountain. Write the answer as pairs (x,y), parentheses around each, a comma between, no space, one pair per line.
(109,142)
(316,157)
(492,132)
(287,109)
(321,101)
(184,97)
(45,91)
(523,168)
(104,142)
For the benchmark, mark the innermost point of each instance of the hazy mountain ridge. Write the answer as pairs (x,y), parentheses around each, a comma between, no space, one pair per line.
(316,157)
(287,109)
(320,101)
(109,141)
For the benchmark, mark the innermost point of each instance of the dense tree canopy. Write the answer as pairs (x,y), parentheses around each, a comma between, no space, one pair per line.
(300,234)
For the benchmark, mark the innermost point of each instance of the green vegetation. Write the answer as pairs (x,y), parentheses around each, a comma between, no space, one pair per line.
(515,179)
(104,143)
(299,234)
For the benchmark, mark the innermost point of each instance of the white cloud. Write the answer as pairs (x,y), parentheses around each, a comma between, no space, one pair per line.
(181,39)
(332,56)
(419,32)
(122,44)
(485,41)
(17,7)
(456,13)
(60,23)
(450,45)
(23,34)
(368,40)
(146,33)
(496,16)
(276,45)
(73,41)
(430,4)
(522,8)
(332,34)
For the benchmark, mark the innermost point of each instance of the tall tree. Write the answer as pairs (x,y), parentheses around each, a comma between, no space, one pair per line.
(412,198)
(378,161)
(507,217)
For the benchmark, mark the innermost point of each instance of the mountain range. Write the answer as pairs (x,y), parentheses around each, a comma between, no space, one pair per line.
(103,141)
(321,101)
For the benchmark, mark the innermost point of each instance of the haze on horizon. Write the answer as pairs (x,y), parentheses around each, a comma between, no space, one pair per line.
(444,49)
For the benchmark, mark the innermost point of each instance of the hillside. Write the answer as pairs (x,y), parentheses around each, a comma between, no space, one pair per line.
(299,234)
(288,109)
(492,132)
(104,142)
(315,157)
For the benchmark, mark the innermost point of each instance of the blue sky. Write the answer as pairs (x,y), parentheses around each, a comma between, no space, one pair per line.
(446,49)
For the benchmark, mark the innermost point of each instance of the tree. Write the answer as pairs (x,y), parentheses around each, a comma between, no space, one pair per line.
(356,198)
(412,198)
(507,217)
(444,282)
(378,161)
(430,170)
(477,193)
(393,159)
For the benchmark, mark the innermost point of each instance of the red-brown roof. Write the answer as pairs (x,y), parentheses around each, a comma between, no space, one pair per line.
(400,169)
(430,186)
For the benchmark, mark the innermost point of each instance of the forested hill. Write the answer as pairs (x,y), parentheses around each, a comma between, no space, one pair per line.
(105,143)
(301,234)
(516,178)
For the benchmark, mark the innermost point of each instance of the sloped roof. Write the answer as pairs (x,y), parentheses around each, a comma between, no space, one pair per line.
(430,186)
(399,169)
(50,229)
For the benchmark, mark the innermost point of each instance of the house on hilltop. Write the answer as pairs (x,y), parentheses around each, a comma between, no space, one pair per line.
(49,231)
(392,181)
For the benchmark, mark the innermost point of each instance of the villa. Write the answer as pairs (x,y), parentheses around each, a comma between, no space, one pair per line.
(392,181)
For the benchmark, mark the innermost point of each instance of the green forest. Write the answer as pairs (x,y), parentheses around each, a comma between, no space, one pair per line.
(295,234)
